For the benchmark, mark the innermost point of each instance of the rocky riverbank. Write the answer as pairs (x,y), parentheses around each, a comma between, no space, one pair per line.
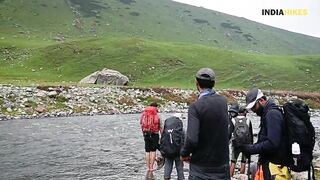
(38,102)
(44,101)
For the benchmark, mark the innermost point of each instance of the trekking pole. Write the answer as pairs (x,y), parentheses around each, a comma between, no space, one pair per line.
(248,171)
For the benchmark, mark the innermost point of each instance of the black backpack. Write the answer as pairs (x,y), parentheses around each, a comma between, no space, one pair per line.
(241,132)
(299,129)
(172,137)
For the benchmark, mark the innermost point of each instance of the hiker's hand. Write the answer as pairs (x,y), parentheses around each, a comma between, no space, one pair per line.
(245,149)
(236,144)
(185,159)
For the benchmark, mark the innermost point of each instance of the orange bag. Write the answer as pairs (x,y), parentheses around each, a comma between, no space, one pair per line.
(259,174)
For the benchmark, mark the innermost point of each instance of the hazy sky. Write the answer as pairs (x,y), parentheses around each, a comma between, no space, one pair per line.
(251,9)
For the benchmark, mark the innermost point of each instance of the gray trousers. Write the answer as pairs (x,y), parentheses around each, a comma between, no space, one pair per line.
(168,166)
(209,173)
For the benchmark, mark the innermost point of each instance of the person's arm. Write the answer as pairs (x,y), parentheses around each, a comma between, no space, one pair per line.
(192,136)
(161,127)
(274,121)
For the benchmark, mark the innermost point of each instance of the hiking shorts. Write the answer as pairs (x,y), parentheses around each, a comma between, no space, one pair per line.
(235,154)
(151,141)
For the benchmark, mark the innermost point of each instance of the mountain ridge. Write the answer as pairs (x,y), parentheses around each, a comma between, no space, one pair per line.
(162,20)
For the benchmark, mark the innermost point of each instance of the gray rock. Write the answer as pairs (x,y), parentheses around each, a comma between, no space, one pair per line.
(52,94)
(41,94)
(2,117)
(106,76)
(8,104)
(92,99)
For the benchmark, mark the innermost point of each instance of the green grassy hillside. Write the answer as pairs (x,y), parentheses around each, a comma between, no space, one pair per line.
(157,20)
(152,63)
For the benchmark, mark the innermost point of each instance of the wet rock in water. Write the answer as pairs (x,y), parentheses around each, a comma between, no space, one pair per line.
(2,117)
(240,177)
(105,150)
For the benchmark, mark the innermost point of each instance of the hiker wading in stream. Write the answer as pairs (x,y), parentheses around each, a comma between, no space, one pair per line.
(150,126)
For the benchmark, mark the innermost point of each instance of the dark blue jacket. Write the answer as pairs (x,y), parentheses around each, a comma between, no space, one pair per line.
(271,144)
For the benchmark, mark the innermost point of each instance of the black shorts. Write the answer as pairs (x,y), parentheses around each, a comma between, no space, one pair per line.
(151,141)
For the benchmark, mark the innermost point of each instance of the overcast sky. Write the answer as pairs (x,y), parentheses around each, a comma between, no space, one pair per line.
(251,9)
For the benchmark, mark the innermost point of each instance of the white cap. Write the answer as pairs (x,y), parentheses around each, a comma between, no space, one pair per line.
(252,96)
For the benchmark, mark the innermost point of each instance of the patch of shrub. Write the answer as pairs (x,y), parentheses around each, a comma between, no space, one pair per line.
(248,37)
(192,99)
(161,90)
(80,109)
(61,98)
(201,21)
(1,101)
(128,2)
(30,103)
(229,96)
(173,97)
(134,13)
(149,99)
(126,100)
(230,26)
(88,8)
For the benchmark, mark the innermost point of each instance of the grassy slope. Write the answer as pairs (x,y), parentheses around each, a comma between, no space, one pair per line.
(160,20)
(28,55)
(151,63)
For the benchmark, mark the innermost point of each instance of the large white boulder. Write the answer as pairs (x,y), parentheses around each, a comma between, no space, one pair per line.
(106,76)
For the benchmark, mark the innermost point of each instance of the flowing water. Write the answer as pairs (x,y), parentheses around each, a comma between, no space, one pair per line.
(88,147)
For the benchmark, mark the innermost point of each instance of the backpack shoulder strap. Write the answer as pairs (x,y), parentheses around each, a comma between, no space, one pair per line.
(233,121)
(247,121)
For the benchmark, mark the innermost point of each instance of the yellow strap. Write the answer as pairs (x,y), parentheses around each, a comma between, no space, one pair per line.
(280,173)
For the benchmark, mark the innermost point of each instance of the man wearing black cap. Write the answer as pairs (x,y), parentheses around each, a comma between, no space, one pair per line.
(206,145)
(271,144)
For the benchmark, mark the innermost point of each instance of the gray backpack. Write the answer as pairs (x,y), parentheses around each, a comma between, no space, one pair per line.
(241,133)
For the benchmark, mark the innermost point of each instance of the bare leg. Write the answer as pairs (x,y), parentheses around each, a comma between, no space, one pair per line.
(232,166)
(152,159)
(243,168)
(148,160)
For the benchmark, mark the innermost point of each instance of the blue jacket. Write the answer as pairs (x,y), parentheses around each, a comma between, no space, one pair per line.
(271,144)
